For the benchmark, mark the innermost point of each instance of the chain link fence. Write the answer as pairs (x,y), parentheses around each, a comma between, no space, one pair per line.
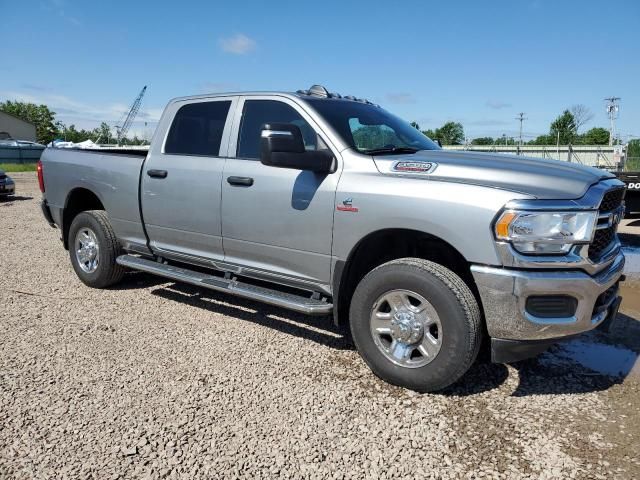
(632,164)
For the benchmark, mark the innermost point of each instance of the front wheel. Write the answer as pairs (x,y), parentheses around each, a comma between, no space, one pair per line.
(93,249)
(416,324)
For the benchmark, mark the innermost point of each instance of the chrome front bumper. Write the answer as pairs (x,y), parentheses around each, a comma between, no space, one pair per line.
(504,293)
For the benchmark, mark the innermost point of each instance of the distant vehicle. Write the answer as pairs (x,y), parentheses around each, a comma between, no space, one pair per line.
(7,185)
(326,204)
(632,198)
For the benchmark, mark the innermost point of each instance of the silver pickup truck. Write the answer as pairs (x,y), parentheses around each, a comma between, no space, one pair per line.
(330,205)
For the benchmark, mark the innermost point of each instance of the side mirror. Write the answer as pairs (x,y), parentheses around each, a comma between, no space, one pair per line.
(282,146)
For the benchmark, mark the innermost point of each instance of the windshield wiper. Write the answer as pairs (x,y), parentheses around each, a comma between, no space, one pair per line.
(390,150)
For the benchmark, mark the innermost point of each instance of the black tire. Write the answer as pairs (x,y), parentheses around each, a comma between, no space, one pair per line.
(108,272)
(453,302)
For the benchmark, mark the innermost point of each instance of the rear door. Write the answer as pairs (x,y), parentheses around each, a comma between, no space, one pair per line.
(279,222)
(182,177)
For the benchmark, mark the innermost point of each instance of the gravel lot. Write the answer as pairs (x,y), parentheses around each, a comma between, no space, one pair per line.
(155,379)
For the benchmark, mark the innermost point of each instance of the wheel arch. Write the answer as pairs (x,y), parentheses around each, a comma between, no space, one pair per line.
(385,245)
(79,199)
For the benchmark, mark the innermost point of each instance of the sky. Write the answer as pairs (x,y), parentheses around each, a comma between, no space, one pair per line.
(476,62)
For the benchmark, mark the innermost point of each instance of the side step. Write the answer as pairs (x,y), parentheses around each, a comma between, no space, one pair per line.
(297,303)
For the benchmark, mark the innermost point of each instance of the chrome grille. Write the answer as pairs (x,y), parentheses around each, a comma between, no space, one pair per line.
(611,201)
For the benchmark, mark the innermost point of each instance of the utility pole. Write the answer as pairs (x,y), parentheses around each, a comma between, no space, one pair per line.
(612,110)
(521,118)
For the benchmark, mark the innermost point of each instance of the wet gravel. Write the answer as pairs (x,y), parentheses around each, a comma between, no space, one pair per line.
(154,379)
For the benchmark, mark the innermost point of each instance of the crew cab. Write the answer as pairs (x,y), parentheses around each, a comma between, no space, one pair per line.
(330,205)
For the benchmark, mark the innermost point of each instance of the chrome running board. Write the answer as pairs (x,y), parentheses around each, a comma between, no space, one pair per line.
(298,303)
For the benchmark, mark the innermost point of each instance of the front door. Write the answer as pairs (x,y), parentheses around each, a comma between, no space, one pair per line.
(182,177)
(276,220)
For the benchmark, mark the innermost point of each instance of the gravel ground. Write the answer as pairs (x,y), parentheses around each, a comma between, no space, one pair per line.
(155,379)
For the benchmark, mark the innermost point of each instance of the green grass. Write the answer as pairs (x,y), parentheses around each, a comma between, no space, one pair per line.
(18,167)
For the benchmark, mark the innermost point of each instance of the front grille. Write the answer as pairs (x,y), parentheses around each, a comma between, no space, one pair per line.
(611,201)
(601,241)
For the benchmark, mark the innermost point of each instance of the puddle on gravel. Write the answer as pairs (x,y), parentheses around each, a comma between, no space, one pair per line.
(602,358)
(605,359)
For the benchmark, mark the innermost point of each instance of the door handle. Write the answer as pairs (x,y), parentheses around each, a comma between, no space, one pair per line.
(157,173)
(240,181)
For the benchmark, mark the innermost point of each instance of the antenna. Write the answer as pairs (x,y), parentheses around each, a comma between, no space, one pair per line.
(521,118)
(612,111)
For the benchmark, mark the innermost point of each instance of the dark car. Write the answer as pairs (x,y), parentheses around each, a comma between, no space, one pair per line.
(7,186)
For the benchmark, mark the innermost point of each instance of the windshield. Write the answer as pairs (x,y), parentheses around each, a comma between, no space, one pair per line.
(370,129)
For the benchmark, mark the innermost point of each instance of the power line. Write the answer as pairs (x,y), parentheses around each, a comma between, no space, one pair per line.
(612,110)
(521,118)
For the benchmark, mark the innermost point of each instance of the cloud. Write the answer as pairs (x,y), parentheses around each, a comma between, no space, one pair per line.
(83,115)
(238,44)
(37,88)
(60,8)
(400,98)
(497,104)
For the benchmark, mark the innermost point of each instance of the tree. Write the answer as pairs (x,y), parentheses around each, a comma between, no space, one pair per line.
(581,115)
(564,128)
(596,136)
(451,133)
(368,137)
(430,133)
(482,141)
(543,140)
(39,115)
(102,133)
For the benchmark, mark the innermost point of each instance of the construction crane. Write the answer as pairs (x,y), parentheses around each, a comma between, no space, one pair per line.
(133,111)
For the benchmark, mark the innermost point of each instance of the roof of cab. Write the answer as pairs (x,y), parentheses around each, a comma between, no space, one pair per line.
(316,92)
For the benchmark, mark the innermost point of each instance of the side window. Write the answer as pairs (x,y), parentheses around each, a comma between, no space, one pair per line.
(197,129)
(258,112)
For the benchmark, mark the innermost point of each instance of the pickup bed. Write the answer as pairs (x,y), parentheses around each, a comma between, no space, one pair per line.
(330,205)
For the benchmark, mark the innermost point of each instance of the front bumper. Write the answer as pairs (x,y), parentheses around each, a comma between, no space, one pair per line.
(7,188)
(504,293)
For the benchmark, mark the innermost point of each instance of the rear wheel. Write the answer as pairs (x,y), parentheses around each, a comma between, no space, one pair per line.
(416,324)
(93,249)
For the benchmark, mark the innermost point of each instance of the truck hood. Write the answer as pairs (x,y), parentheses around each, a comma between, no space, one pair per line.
(540,178)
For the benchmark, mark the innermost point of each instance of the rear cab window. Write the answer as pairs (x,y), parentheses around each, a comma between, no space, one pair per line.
(197,129)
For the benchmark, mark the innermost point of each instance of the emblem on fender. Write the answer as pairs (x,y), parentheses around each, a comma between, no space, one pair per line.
(347,206)
(405,166)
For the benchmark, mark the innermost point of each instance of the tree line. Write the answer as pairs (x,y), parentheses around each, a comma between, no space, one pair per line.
(49,129)
(565,129)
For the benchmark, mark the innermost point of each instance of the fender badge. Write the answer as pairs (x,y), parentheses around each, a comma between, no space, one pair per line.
(347,206)
(414,167)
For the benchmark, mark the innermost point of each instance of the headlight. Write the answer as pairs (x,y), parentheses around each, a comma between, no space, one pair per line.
(545,232)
